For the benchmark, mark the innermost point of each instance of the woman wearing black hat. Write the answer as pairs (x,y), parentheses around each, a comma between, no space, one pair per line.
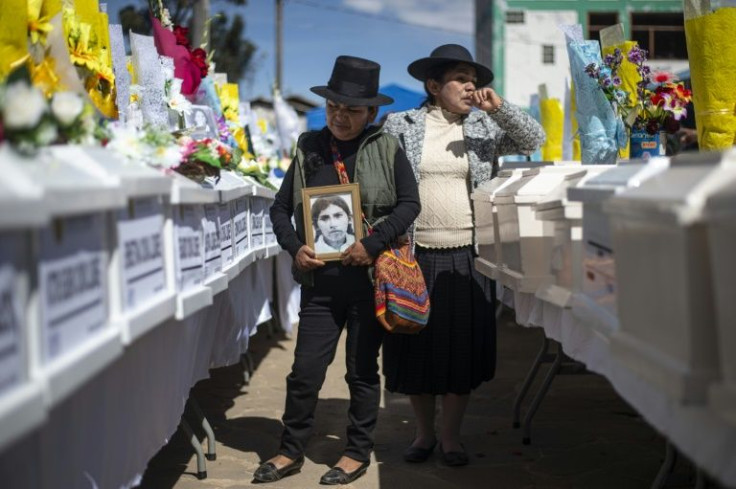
(452,148)
(340,294)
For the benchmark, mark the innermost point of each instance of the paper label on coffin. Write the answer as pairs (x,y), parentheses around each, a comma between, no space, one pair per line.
(147,66)
(268,229)
(226,234)
(240,209)
(140,240)
(11,316)
(257,211)
(72,284)
(212,245)
(189,244)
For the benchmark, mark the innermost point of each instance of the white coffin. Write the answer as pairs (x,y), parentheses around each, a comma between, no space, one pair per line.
(667,330)
(720,216)
(597,302)
(566,216)
(184,234)
(526,242)
(21,397)
(142,294)
(232,188)
(487,235)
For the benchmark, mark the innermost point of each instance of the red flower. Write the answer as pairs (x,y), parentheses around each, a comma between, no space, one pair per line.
(199,57)
(182,35)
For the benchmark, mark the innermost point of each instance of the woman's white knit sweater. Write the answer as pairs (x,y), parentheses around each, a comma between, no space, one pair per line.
(446,219)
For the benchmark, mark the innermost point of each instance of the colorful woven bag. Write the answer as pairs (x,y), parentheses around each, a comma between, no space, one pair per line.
(402,301)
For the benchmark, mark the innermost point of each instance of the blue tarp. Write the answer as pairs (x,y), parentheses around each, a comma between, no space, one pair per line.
(404,99)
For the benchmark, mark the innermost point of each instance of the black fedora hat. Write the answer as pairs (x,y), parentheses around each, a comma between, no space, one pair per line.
(449,53)
(354,81)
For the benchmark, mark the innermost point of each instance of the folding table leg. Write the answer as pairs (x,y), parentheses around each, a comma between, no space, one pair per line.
(211,442)
(247,362)
(541,358)
(670,456)
(201,464)
(551,373)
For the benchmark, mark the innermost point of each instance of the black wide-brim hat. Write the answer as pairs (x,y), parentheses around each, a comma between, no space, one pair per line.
(449,53)
(354,82)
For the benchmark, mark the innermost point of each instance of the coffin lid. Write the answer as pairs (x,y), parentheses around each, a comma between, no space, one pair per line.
(535,183)
(624,175)
(687,193)
(486,191)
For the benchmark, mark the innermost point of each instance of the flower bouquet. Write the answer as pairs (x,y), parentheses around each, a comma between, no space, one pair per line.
(190,65)
(658,105)
(601,130)
(29,121)
(205,158)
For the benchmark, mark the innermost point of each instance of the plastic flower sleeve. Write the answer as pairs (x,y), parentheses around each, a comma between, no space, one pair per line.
(13,35)
(601,131)
(553,121)
(712,54)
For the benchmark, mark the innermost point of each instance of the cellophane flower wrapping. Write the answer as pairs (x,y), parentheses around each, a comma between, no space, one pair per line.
(553,121)
(712,54)
(600,129)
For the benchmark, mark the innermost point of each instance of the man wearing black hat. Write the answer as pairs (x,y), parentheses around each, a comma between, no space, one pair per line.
(452,142)
(340,294)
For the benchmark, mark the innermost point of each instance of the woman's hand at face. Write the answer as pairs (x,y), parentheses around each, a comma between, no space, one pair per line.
(356,255)
(306,260)
(486,99)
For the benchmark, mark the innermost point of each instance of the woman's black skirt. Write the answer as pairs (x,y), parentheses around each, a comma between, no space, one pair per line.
(456,351)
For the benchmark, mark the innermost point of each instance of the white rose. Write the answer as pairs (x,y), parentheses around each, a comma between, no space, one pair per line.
(66,107)
(24,106)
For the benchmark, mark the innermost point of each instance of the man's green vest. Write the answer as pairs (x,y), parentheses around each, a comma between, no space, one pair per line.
(374,172)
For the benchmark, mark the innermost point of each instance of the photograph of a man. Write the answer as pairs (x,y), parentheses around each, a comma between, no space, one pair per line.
(332,222)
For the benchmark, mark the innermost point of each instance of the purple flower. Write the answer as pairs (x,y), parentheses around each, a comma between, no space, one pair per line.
(592,70)
(616,81)
(637,55)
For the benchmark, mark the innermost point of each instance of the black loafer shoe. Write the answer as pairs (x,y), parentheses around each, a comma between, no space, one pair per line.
(267,472)
(336,475)
(455,459)
(418,454)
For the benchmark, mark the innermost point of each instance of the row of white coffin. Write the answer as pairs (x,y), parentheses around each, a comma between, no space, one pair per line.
(643,250)
(94,253)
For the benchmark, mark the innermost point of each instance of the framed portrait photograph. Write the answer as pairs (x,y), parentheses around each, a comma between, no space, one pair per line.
(332,219)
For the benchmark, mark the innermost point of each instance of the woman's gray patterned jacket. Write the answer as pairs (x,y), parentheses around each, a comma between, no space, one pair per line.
(510,130)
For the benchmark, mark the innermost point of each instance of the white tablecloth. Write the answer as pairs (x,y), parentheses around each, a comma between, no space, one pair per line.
(105,433)
(697,431)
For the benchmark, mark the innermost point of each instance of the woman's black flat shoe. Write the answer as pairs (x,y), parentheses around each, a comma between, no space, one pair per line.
(267,472)
(418,454)
(455,459)
(337,476)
